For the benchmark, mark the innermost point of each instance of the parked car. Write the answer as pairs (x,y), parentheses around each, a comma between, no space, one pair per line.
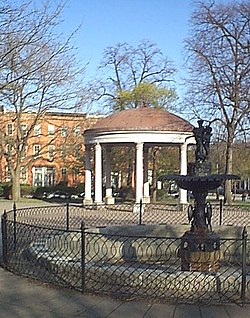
(57,194)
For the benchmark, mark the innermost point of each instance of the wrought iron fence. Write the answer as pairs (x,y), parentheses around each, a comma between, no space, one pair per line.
(70,216)
(58,244)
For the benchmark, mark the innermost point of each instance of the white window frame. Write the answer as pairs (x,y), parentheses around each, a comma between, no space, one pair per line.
(77,130)
(8,174)
(9,149)
(25,151)
(9,130)
(51,129)
(24,129)
(37,130)
(51,152)
(36,150)
(64,131)
(78,151)
(24,175)
(63,151)
(64,173)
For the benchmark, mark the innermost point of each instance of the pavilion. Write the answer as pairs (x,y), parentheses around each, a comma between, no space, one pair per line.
(142,128)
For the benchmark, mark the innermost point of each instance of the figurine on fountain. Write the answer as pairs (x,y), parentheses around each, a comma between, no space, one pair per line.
(202,137)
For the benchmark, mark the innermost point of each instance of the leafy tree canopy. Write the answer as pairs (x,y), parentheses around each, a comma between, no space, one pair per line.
(145,93)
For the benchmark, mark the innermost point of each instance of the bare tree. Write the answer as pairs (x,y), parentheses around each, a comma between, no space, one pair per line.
(219,64)
(126,71)
(38,73)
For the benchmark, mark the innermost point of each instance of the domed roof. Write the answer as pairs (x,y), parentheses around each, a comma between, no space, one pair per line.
(141,119)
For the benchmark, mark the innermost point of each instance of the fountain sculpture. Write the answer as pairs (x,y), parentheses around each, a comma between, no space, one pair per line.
(200,246)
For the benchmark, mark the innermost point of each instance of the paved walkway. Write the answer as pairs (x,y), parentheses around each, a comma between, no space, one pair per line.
(23,297)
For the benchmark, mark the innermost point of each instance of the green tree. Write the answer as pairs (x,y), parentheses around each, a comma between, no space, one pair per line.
(145,93)
(219,65)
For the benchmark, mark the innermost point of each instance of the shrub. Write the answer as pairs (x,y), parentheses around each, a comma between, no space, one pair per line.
(5,190)
(42,192)
(27,190)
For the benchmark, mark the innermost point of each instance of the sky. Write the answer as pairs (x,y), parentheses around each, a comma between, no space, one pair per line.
(105,23)
(108,22)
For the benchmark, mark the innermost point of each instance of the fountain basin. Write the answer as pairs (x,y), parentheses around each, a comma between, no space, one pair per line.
(107,244)
(199,183)
(110,270)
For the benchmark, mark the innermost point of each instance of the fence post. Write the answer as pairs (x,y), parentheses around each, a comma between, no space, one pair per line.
(14,225)
(4,238)
(140,213)
(221,211)
(244,267)
(83,256)
(67,215)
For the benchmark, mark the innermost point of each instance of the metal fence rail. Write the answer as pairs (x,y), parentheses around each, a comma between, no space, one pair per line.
(70,216)
(72,246)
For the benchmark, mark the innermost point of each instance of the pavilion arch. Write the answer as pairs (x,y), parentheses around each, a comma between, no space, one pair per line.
(141,128)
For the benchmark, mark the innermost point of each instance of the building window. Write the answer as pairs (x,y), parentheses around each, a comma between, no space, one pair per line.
(50,176)
(37,176)
(51,152)
(75,173)
(8,174)
(37,149)
(23,150)
(78,152)
(24,130)
(9,149)
(64,131)
(10,129)
(63,151)
(51,129)
(37,130)
(43,176)
(24,175)
(64,174)
(77,131)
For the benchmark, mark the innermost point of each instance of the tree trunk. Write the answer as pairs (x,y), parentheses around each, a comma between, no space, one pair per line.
(229,168)
(16,188)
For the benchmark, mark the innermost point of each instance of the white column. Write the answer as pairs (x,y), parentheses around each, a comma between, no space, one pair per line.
(87,196)
(139,172)
(43,176)
(146,196)
(98,174)
(109,197)
(183,170)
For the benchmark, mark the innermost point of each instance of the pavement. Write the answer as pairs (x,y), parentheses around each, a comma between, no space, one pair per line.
(27,298)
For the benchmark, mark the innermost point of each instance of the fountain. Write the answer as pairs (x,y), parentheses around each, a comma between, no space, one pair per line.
(200,246)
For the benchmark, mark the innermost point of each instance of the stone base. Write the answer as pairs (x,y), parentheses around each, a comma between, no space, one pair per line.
(109,200)
(87,201)
(146,200)
(200,261)
(200,251)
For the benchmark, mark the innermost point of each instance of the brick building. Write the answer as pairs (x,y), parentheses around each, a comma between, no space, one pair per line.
(55,147)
